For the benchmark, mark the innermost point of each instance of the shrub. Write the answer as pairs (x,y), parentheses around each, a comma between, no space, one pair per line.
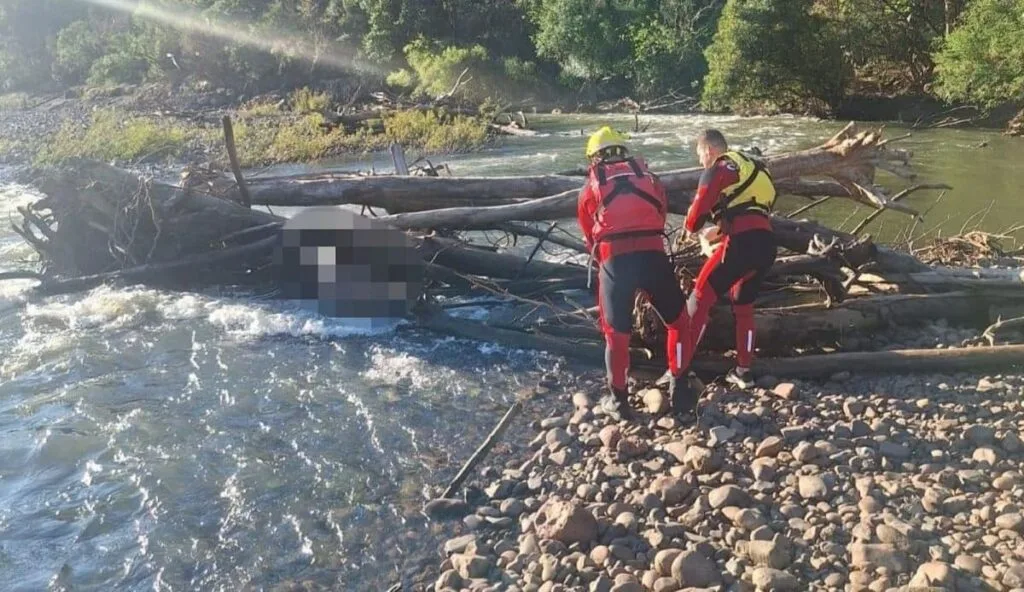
(111,136)
(306,101)
(773,52)
(77,47)
(437,70)
(13,102)
(430,131)
(980,61)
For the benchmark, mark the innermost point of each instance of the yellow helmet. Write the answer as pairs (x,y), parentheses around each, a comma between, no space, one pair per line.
(603,138)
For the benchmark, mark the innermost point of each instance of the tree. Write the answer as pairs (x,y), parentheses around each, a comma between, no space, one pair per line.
(982,61)
(889,42)
(668,44)
(774,53)
(587,39)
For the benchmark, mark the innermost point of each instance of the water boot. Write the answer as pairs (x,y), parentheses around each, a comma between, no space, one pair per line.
(624,409)
(741,378)
(684,397)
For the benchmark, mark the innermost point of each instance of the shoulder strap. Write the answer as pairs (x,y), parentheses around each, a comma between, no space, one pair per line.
(636,167)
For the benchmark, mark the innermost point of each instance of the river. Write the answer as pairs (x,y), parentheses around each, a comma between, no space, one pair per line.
(162,441)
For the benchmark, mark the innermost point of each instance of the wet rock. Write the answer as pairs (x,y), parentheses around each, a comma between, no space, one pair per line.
(459,544)
(557,437)
(665,584)
(728,495)
(446,509)
(769,447)
(691,569)
(449,579)
(934,573)
(774,580)
(565,522)
(554,422)
(471,566)
(812,487)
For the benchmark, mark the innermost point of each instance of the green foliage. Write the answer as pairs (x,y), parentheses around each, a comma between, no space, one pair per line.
(763,54)
(438,69)
(111,136)
(403,80)
(983,60)
(78,46)
(889,44)
(13,102)
(774,54)
(305,101)
(586,38)
(433,133)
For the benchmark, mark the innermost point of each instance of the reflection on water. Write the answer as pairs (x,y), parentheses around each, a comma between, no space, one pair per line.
(162,441)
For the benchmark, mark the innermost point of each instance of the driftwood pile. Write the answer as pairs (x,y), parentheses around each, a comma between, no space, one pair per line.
(100,224)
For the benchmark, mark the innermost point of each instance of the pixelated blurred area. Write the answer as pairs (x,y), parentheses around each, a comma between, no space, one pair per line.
(349,266)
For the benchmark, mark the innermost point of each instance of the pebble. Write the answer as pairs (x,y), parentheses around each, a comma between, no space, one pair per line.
(774,580)
(968,564)
(786,391)
(892,485)
(720,435)
(769,447)
(812,487)
(691,569)
(728,495)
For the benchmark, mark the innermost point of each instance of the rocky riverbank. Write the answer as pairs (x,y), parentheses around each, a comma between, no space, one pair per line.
(888,483)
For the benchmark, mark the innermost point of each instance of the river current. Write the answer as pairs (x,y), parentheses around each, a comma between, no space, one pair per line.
(152,440)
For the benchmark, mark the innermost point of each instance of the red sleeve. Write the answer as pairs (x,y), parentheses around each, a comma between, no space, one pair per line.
(712,182)
(586,207)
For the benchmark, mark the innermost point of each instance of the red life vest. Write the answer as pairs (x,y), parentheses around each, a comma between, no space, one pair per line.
(631,204)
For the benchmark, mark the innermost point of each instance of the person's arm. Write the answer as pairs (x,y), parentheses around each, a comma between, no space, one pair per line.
(712,182)
(585,209)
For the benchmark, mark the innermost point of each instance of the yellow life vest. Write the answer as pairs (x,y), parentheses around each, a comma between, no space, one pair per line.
(753,192)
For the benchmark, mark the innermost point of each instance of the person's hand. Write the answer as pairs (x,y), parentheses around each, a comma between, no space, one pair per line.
(708,236)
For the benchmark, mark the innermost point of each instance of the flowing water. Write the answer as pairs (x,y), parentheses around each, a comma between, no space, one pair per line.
(152,440)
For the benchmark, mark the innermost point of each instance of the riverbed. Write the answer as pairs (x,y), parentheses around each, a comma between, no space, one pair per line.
(165,441)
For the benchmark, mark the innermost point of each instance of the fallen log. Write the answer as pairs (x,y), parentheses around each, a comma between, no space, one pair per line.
(809,366)
(850,158)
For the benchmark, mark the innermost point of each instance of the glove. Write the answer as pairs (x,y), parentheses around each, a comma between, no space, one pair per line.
(708,236)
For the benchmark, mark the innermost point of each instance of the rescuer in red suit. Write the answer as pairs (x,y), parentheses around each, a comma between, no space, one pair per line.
(621,212)
(736,195)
